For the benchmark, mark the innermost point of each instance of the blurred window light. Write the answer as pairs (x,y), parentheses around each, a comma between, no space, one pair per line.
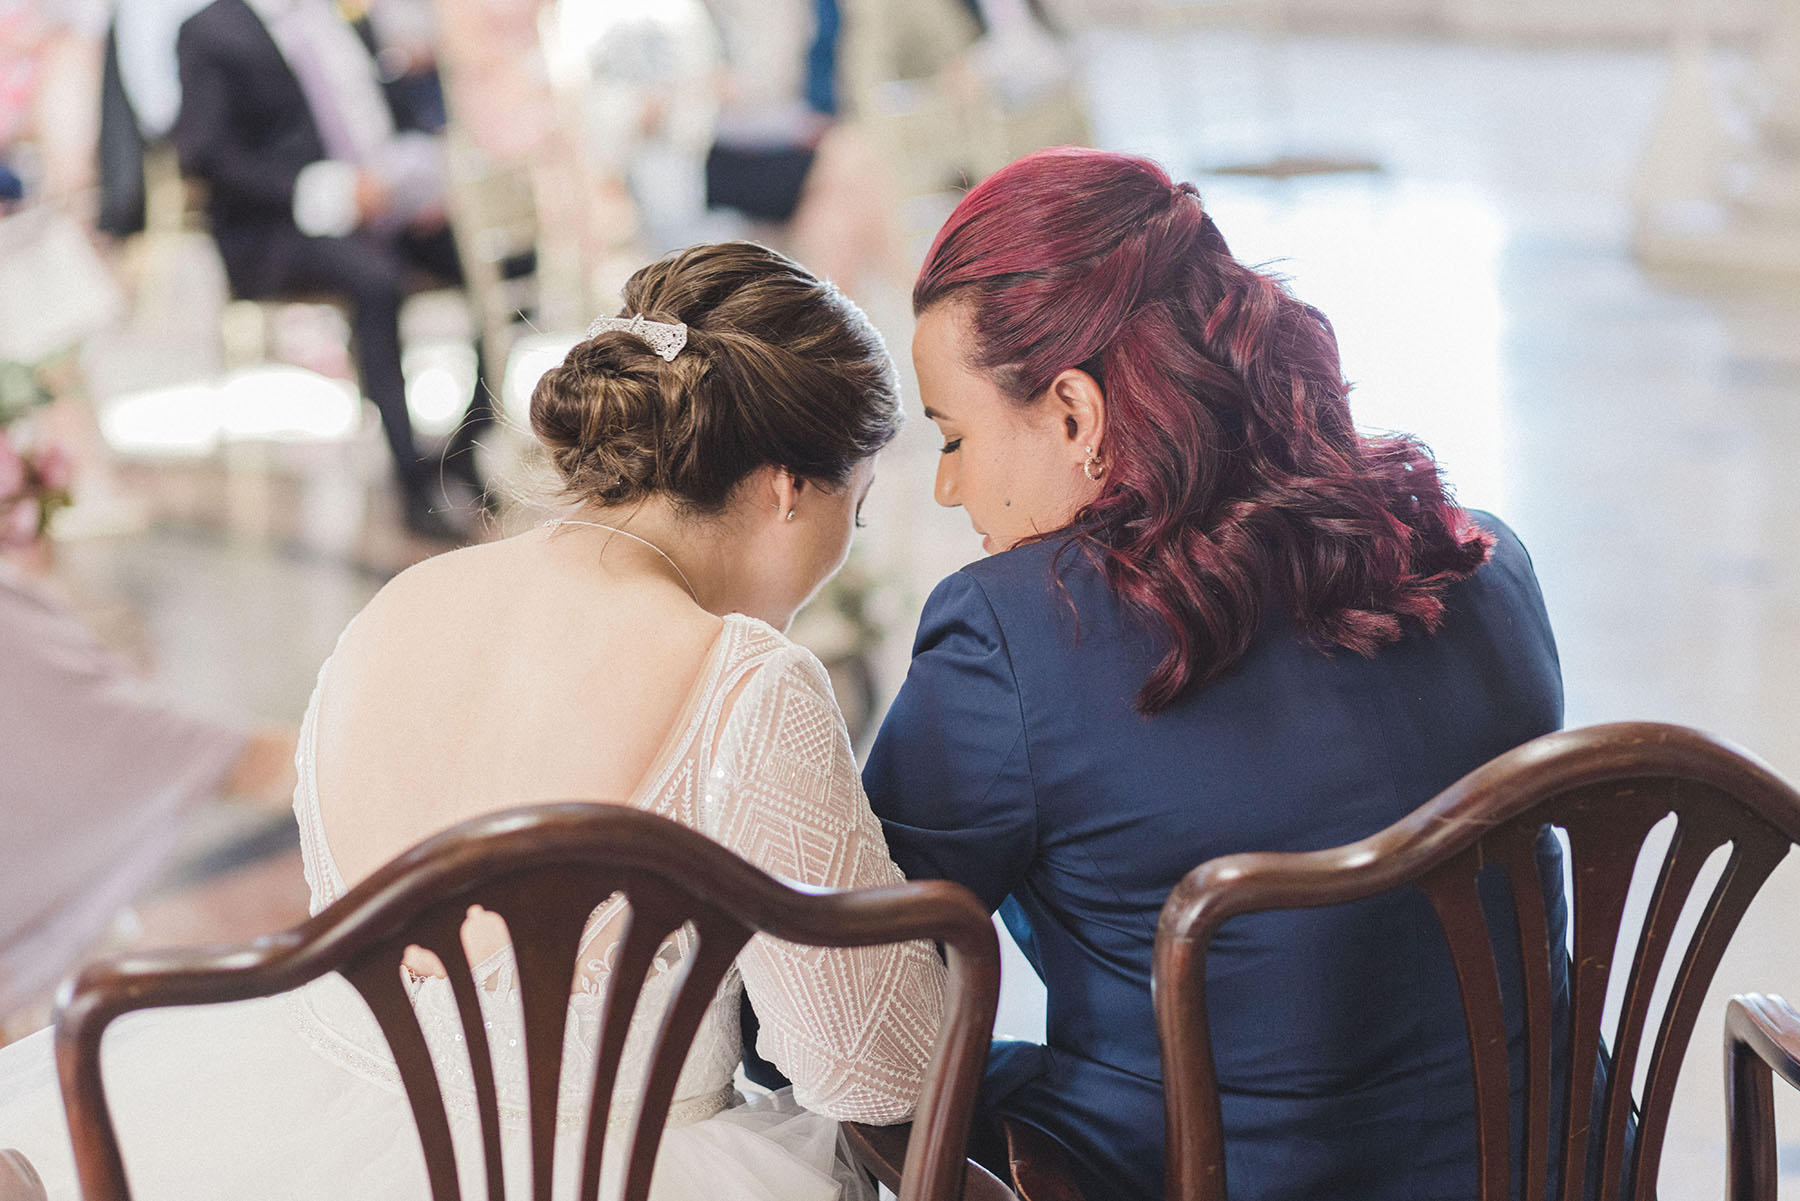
(289,404)
(440,380)
(531,356)
(179,422)
(273,403)
(433,396)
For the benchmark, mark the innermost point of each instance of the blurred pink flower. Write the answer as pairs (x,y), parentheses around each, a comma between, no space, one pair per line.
(19,523)
(12,471)
(55,469)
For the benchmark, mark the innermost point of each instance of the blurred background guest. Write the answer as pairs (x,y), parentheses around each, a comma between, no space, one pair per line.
(781,157)
(318,181)
(49,68)
(100,772)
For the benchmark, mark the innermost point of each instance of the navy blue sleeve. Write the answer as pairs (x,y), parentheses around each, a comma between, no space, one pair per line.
(950,773)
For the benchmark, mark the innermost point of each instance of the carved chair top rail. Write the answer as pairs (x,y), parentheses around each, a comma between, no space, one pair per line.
(1481,802)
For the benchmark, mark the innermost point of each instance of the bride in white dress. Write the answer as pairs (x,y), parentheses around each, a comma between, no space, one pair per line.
(717,453)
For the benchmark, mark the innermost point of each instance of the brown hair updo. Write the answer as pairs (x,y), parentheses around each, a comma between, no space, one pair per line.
(780,368)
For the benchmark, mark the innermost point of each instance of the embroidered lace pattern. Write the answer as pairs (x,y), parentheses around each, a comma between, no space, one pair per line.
(765,767)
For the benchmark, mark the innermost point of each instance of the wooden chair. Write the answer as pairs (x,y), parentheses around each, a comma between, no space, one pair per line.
(1762,1034)
(544,869)
(1606,786)
(1039,1167)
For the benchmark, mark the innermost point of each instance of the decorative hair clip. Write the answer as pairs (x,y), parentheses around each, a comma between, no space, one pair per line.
(665,338)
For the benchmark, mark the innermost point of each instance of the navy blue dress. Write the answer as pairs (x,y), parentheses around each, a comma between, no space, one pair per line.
(1013,761)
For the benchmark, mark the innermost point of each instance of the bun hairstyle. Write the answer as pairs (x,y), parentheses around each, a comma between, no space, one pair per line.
(779,369)
(1235,479)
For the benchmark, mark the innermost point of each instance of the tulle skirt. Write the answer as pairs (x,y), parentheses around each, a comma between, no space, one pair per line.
(233,1101)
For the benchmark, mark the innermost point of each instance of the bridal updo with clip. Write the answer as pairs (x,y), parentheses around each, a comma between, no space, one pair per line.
(779,368)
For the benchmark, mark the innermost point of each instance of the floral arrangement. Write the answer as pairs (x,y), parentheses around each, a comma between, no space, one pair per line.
(35,474)
(34,484)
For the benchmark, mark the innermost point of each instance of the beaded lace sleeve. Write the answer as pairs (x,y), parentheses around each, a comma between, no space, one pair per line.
(852,1028)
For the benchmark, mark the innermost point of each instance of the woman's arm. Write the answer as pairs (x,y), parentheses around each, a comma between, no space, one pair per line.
(852,1028)
(950,773)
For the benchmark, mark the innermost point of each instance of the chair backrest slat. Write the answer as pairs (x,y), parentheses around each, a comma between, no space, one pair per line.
(1453,893)
(638,945)
(1606,787)
(1604,843)
(1686,856)
(702,969)
(545,871)
(1754,855)
(545,941)
(376,976)
(444,939)
(1516,850)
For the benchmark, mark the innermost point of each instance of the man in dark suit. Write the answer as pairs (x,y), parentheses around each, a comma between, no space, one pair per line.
(318,182)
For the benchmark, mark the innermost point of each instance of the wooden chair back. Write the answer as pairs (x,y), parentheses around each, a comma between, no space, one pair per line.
(1605,786)
(1762,1040)
(544,869)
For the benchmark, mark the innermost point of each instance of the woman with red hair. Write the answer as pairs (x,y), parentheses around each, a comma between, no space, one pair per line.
(1215,618)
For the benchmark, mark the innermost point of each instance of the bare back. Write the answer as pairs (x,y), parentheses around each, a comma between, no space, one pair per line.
(530,670)
(500,675)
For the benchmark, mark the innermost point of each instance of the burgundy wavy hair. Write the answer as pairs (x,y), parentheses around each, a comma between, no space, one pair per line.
(1234,476)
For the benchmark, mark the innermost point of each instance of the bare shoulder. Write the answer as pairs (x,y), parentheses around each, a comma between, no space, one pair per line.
(425,597)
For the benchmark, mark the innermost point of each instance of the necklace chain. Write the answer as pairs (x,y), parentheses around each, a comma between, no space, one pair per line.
(600,525)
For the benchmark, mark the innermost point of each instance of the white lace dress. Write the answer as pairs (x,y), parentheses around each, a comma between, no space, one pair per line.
(297,1096)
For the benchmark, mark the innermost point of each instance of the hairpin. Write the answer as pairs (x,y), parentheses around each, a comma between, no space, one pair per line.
(664,337)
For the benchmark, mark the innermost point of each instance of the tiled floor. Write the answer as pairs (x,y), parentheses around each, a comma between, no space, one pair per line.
(1639,432)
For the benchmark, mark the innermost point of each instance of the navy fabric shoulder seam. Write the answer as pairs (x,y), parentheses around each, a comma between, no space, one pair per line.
(1018,698)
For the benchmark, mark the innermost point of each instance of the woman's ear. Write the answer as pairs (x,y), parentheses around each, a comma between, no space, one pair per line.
(1080,410)
(783,489)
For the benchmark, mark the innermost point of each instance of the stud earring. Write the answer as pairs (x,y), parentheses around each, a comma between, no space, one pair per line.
(1093,468)
(790,515)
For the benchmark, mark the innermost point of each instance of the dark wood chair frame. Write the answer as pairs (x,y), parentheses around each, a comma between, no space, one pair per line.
(1606,786)
(1040,1168)
(1762,1039)
(544,869)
